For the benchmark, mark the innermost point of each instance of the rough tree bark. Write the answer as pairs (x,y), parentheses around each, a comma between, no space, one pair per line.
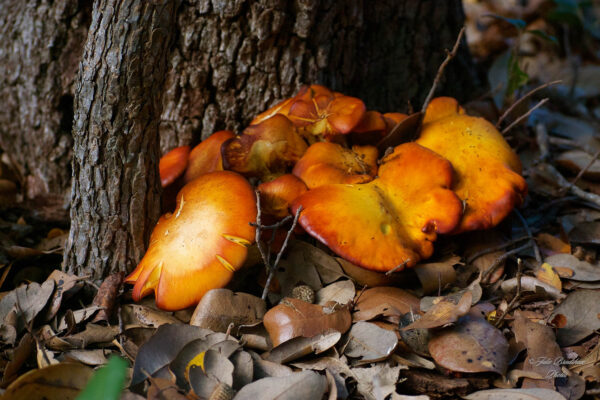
(41,43)
(116,190)
(231,59)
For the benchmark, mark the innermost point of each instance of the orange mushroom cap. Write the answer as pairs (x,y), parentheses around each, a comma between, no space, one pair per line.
(283,107)
(206,157)
(277,195)
(390,221)
(172,165)
(487,170)
(325,163)
(393,119)
(326,114)
(200,245)
(264,150)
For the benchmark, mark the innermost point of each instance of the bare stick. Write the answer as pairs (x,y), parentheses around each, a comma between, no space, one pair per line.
(503,257)
(398,267)
(524,116)
(536,249)
(563,183)
(543,141)
(583,171)
(495,248)
(263,252)
(513,302)
(273,268)
(275,225)
(440,72)
(519,101)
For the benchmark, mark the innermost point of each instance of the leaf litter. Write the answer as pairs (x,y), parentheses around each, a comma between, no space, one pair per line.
(469,322)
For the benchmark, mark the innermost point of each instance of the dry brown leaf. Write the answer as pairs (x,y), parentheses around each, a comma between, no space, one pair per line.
(438,275)
(378,381)
(56,382)
(299,385)
(547,275)
(298,347)
(341,292)
(304,254)
(163,389)
(265,369)
(65,286)
(384,301)
(581,310)
(370,343)
(515,394)
(365,277)
(531,284)
(542,351)
(293,318)
(27,301)
(443,313)
(484,240)
(221,307)
(139,316)
(106,297)
(551,244)
(471,345)
(582,270)
(162,348)
(576,160)
(210,375)
(243,371)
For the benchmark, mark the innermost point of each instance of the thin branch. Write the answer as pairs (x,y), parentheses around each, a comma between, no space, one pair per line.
(261,248)
(583,171)
(513,302)
(440,72)
(543,141)
(273,268)
(398,267)
(519,101)
(562,182)
(536,249)
(524,116)
(500,259)
(495,248)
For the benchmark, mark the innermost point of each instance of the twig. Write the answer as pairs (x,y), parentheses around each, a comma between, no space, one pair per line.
(520,100)
(543,141)
(273,268)
(438,76)
(274,226)
(503,257)
(513,302)
(536,249)
(563,183)
(524,116)
(583,171)
(495,248)
(261,249)
(398,267)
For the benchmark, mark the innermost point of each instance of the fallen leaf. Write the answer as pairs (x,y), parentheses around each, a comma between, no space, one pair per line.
(581,309)
(582,270)
(542,351)
(298,347)
(21,354)
(515,394)
(61,381)
(438,275)
(443,313)
(139,316)
(65,286)
(547,275)
(552,244)
(531,284)
(293,318)
(299,385)
(210,376)
(378,381)
(365,277)
(243,371)
(370,343)
(162,348)
(221,307)
(576,160)
(471,345)
(266,369)
(586,233)
(27,301)
(77,317)
(341,292)
(106,297)
(384,301)
(474,288)
(93,357)
(305,254)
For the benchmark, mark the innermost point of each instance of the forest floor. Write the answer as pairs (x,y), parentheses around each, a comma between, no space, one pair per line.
(510,312)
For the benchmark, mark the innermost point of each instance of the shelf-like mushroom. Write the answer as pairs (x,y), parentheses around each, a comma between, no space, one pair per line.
(200,245)
(390,222)
(326,163)
(487,170)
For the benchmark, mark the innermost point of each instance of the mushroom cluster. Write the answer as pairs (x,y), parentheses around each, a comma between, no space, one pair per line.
(317,152)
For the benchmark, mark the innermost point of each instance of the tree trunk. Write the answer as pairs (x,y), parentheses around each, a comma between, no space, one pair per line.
(234,58)
(231,59)
(116,189)
(40,48)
